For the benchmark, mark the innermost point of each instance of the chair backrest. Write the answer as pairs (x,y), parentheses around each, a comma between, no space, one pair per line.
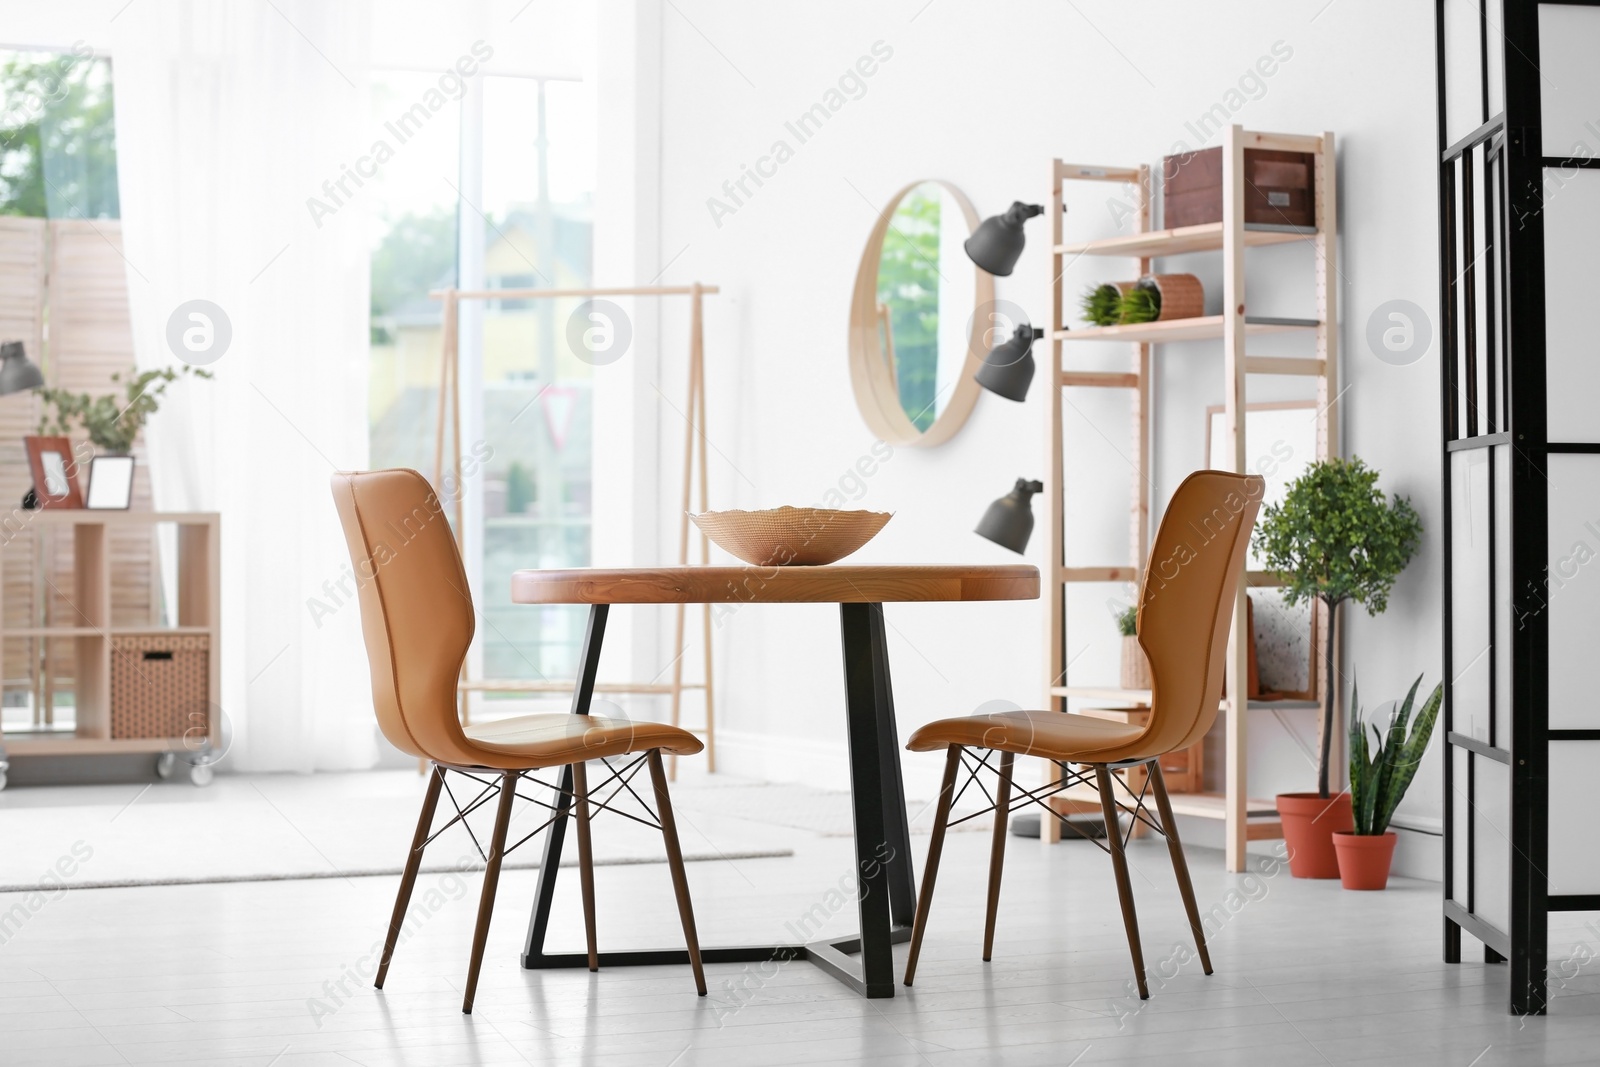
(416,607)
(1187,600)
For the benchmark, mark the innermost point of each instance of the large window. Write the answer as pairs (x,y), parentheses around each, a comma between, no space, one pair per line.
(58,148)
(532,147)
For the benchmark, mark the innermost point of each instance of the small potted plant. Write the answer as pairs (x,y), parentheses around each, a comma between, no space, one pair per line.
(1334,538)
(1378,779)
(112,422)
(1102,304)
(1135,665)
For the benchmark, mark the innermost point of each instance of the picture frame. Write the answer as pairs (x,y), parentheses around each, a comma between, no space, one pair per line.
(54,470)
(1280,442)
(110,483)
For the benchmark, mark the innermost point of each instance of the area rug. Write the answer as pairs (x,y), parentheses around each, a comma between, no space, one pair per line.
(823,812)
(253,828)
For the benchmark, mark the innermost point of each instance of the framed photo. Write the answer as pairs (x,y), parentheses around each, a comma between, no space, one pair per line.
(110,483)
(55,472)
(1280,441)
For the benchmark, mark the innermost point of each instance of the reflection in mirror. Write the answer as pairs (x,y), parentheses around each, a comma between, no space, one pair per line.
(925,300)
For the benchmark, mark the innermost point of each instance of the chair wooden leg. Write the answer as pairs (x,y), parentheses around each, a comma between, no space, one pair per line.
(1119,864)
(919,925)
(408,880)
(491,880)
(580,789)
(680,880)
(1180,866)
(997,849)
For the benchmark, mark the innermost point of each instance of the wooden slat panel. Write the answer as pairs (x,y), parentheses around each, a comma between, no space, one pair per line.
(91,338)
(22,275)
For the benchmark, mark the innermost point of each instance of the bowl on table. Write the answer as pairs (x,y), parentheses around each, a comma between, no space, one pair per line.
(791,537)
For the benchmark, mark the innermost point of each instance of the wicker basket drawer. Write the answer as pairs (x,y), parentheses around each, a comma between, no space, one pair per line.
(159,685)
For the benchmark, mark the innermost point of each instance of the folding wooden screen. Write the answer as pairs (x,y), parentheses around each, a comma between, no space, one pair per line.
(64,295)
(1519,210)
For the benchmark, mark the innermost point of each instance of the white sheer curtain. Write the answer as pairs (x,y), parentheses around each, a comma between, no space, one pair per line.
(229,117)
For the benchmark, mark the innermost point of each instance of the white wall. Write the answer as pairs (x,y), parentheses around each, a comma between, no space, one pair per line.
(984,96)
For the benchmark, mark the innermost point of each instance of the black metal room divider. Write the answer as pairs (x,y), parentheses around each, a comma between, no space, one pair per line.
(1519,224)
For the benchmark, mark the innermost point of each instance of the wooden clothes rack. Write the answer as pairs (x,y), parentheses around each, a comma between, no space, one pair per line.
(694,466)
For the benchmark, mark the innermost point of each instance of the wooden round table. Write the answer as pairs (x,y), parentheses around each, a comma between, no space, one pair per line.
(887,897)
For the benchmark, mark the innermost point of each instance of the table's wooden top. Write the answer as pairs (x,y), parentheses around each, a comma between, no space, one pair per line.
(838,584)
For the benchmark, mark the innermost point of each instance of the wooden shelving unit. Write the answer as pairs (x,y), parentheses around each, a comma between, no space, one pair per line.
(87,615)
(1203,238)
(1205,328)
(1246,819)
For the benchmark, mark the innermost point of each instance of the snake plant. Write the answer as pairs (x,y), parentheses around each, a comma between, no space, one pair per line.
(1378,779)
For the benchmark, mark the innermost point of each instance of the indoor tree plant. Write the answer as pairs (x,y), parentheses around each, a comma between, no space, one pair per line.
(1378,779)
(1334,538)
(112,422)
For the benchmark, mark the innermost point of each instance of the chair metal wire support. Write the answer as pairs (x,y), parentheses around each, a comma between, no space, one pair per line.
(1070,777)
(623,776)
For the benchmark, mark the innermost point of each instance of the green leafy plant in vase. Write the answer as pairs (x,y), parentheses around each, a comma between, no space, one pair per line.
(1334,538)
(112,422)
(1379,778)
(1135,665)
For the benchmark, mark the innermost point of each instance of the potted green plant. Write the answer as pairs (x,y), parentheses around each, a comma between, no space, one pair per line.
(1102,304)
(1140,304)
(1334,538)
(112,422)
(1378,779)
(1135,665)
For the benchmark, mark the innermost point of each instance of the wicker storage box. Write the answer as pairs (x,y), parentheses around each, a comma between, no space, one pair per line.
(159,684)
(1278,188)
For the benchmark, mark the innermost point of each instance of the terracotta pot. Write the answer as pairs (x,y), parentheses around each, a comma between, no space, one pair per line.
(1364,859)
(1309,823)
(1135,665)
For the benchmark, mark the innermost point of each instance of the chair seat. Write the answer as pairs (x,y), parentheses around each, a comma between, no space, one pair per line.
(552,740)
(1047,734)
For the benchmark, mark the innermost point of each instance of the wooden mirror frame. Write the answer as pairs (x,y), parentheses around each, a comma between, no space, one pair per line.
(872,378)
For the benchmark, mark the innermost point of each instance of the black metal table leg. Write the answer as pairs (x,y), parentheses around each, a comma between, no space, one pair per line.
(883,846)
(582,693)
(902,879)
(866,682)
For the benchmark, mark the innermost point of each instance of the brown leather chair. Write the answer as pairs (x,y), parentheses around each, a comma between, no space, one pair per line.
(1186,606)
(418,620)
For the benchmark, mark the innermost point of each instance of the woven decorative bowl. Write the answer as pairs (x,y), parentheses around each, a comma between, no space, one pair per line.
(791,537)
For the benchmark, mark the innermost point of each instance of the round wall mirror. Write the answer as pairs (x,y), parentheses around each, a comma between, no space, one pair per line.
(915,335)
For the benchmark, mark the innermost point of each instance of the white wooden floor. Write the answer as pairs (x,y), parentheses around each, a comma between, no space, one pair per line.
(273,974)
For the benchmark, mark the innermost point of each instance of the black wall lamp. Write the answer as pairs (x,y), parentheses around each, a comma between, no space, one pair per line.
(1008,368)
(998,240)
(17,372)
(1009,520)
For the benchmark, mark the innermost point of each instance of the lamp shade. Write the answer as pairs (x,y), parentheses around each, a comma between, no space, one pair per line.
(998,240)
(1008,368)
(17,373)
(1009,520)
